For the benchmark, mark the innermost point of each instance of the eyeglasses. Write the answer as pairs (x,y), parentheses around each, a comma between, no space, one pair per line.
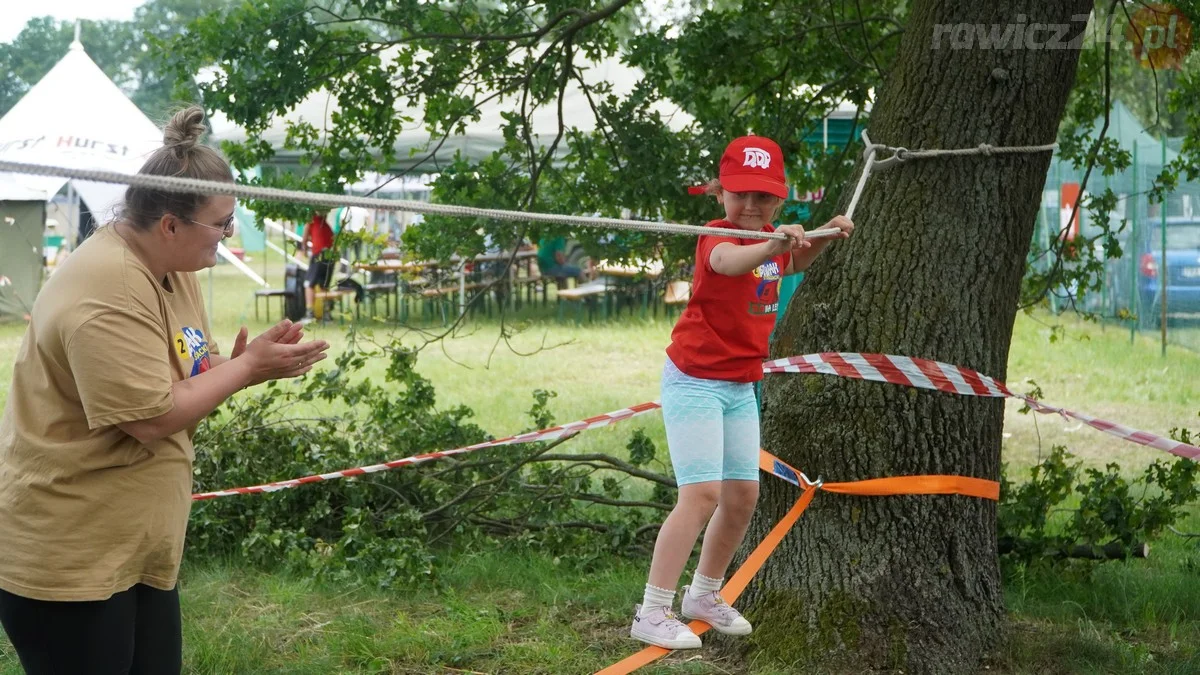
(226,227)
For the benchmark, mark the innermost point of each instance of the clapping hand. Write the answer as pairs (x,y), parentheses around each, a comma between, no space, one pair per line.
(279,353)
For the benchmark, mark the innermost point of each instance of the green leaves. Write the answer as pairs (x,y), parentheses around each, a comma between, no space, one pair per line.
(1111,509)
(368,72)
(385,68)
(540,416)
(392,527)
(641,449)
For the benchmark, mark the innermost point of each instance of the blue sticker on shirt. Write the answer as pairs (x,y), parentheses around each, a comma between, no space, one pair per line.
(191,345)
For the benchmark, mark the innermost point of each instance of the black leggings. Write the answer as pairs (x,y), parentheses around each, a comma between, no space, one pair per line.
(132,633)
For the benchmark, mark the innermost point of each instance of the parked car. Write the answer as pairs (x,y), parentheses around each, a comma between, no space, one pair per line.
(1183,269)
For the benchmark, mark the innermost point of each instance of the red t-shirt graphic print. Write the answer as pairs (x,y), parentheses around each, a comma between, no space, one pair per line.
(724,331)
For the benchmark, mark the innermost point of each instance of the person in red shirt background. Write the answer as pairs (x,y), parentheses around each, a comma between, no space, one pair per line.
(708,403)
(320,235)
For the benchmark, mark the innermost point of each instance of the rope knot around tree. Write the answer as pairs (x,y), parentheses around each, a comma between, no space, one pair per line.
(901,154)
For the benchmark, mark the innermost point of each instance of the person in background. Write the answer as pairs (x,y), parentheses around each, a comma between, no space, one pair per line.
(552,260)
(319,235)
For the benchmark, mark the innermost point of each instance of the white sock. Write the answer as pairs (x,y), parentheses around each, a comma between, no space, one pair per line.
(657,597)
(702,584)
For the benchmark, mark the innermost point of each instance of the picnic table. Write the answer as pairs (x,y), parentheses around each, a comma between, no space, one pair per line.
(635,279)
(463,275)
(650,269)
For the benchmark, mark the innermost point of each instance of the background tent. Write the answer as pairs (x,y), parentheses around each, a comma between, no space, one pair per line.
(22,220)
(76,117)
(479,139)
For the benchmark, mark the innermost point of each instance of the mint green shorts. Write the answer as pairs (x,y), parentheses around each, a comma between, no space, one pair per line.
(712,427)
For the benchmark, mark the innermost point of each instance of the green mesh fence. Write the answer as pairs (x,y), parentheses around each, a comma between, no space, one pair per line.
(1135,287)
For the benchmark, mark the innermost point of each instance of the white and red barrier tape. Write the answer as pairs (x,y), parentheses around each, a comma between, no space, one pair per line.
(926,374)
(902,370)
(550,434)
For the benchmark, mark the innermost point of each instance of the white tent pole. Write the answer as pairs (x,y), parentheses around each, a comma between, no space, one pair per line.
(72,216)
(266,240)
(228,255)
(279,228)
(286,257)
(462,288)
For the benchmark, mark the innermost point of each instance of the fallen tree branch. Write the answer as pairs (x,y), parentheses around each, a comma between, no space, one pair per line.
(589,497)
(1185,535)
(615,463)
(1114,550)
(1111,551)
(522,525)
(507,473)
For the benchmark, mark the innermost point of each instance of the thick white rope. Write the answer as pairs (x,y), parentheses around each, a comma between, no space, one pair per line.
(869,157)
(206,187)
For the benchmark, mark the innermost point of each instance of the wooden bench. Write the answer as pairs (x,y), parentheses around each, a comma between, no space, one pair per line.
(450,290)
(676,295)
(438,299)
(537,285)
(322,299)
(266,294)
(384,288)
(530,286)
(579,296)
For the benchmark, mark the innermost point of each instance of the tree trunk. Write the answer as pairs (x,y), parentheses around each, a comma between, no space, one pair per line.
(933,271)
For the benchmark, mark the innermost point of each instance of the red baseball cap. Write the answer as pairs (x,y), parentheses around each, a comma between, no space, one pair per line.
(754,164)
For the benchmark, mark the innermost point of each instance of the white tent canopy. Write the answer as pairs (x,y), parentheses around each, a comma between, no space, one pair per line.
(480,138)
(76,117)
(11,190)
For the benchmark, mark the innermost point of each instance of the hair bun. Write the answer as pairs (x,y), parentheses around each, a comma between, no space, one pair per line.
(184,129)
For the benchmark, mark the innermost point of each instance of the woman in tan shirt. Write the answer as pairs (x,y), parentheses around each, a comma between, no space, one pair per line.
(116,369)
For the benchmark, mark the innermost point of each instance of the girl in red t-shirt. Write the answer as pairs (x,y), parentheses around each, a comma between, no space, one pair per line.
(708,403)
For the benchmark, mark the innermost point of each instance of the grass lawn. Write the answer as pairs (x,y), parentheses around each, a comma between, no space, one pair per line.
(508,611)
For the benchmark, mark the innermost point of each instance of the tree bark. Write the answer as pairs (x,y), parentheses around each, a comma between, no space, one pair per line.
(933,270)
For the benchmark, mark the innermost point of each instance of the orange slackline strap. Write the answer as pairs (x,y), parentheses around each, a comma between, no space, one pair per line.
(897,485)
(919,485)
(733,588)
(901,485)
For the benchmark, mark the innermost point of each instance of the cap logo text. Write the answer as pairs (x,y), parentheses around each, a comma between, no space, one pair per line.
(757,157)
